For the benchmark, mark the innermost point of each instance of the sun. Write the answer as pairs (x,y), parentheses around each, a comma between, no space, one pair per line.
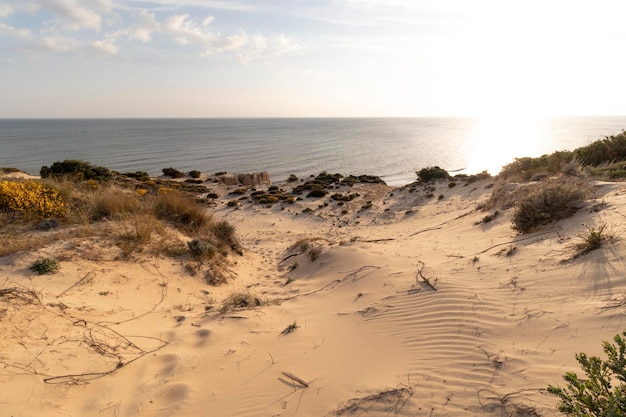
(497,140)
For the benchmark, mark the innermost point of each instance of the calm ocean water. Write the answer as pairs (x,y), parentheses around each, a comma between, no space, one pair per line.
(391,148)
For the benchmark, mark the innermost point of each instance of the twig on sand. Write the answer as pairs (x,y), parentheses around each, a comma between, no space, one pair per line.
(518,240)
(13,293)
(80,281)
(296,379)
(426,280)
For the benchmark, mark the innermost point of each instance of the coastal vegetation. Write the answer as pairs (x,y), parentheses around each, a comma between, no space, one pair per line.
(602,159)
(542,206)
(602,392)
(135,216)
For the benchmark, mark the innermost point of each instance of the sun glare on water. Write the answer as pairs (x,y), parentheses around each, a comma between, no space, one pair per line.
(496,141)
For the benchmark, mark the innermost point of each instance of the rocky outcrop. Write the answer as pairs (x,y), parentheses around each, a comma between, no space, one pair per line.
(256,178)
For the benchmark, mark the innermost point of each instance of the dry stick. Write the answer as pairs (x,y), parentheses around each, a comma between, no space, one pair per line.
(378,240)
(426,280)
(518,240)
(296,379)
(332,283)
(76,283)
(440,225)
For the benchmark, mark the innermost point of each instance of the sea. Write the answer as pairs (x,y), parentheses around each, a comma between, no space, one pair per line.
(392,148)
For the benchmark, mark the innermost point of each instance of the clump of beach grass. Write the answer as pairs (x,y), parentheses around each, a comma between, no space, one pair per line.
(592,239)
(242,300)
(545,206)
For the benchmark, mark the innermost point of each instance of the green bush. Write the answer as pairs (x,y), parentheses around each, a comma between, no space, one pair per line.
(432,173)
(78,170)
(607,150)
(596,395)
(194,174)
(546,205)
(201,248)
(173,173)
(44,266)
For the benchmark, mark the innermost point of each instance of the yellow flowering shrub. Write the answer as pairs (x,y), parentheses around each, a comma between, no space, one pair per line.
(31,196)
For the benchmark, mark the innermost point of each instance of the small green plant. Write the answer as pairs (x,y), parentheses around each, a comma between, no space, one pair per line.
(194,174)
(44,266)
(595,395)
(592,239)
(293,266)
(292,327)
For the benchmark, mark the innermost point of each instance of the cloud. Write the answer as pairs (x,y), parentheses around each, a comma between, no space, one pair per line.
(73,26)
(186,32)
(259,46)
(14,32)
(10,7)
(74,15)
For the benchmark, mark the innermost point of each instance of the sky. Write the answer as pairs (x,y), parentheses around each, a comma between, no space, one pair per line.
(311,58)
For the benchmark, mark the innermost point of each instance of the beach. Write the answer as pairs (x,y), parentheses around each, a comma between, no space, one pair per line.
(412,306)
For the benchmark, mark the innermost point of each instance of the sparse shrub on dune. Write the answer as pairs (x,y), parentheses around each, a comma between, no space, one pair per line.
(112,203)
(182,210)
(224,232)
(546,205)
(200,248)
(241,300)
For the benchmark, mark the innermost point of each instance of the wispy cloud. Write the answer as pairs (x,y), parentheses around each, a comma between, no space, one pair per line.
(109,27)
(74,15)
(11,31)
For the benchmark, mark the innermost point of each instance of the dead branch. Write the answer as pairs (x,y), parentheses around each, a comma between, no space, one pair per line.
(80,281)
(296,379)
(15,293)
(519,240)
(426,280)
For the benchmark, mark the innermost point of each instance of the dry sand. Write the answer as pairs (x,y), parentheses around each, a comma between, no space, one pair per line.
(410,309)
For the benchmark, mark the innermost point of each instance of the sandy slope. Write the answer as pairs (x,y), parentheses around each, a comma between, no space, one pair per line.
(411,309)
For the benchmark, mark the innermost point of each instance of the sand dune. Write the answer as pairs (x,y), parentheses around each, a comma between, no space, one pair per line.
(412,307)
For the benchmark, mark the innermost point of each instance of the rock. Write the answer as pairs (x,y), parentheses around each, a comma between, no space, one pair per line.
(255,178)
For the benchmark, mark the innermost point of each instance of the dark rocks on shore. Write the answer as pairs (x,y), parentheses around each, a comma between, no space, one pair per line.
(256,178)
